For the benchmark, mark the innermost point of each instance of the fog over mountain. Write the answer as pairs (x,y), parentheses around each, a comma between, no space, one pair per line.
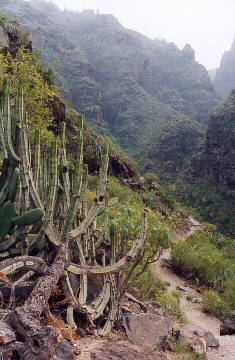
(207,25)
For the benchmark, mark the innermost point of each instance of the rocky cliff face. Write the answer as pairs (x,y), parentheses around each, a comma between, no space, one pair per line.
(220,144)
(168,74)
(150,96)
(224,80)
(211,182)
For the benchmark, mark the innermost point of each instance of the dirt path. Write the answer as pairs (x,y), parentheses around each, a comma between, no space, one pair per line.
(193,311)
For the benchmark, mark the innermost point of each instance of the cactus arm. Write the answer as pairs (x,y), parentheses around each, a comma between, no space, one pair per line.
(83,280)
(8,122)
(76,188)
(14,185)
(92,213)
(65,172)
(52,236)
(53,183)
(69,294)
(25,163)
(37,158)
(13,239)
(115,267)
(114,241)
(33,192)
(113,308)
(86,223)
(9,266)
(4,191)
(102,300)
(70,317)
(2,137)
(4,172)
(103,174)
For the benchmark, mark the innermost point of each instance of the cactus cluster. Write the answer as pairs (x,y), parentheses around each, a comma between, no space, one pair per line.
(14,215)
(43,205)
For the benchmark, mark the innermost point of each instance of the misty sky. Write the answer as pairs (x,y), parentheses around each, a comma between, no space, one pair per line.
(208,25)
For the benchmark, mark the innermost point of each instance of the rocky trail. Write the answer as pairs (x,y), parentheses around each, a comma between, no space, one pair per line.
(192,309)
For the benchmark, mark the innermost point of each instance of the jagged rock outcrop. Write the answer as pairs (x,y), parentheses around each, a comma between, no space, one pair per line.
(224,80)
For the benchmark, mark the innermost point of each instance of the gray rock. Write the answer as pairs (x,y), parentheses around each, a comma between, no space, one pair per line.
(198,338)
(227,327)
(147,329)
(211,341)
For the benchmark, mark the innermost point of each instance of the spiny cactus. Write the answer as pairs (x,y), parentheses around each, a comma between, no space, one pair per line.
(43,206)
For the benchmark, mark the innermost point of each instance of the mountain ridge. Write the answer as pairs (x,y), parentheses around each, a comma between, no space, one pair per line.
(129,87)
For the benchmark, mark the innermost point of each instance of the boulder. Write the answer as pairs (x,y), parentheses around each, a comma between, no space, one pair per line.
(6,334)
(198,338)
(227,327)
(147,328)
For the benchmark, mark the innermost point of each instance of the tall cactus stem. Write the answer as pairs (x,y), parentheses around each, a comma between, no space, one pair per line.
(37,154)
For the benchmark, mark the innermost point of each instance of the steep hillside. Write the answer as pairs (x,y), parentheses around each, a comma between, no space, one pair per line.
(46,193)
(220,143)
(139,91)
(212,185)
(224,80)
(46,109)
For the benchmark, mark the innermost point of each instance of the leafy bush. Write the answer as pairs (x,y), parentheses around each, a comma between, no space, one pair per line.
(215,305)
(198,257)
(169,303)
(149,285)
(208,256)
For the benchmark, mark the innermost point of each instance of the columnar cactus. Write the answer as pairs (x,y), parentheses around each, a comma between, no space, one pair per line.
(43,204)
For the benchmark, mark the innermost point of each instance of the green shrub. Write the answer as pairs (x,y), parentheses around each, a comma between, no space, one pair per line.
(198,257)
(170,303)
(215,305)
(208,257)
(149,285)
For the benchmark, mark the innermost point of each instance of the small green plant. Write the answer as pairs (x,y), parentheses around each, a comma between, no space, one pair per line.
(148,285)
(184,351)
